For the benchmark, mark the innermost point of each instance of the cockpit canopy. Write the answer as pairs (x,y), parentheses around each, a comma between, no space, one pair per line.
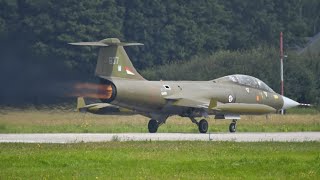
(244,80)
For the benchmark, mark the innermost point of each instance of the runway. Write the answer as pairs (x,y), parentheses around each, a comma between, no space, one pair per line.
(89,137)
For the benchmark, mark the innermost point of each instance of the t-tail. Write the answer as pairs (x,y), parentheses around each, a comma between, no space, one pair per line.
(113,61)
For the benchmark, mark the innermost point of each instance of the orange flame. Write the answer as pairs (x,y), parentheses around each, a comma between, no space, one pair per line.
(91,90)
(91,95)
(91,86)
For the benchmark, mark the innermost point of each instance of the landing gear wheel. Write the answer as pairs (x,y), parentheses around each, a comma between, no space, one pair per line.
(233,127)
(153,126)
(203,126)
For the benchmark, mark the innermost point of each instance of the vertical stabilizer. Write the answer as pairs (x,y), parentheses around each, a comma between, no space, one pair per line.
(113,61)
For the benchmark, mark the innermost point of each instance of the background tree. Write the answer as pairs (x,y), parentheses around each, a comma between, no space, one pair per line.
(34,34)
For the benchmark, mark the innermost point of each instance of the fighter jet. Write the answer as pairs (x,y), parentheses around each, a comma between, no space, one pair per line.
(226,97)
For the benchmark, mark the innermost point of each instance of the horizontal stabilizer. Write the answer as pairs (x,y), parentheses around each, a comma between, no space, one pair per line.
(88,44)
(82,107)
(106,42)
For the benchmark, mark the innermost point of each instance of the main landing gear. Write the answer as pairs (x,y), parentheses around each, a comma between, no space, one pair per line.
(202,124)
(153,126)
(233,126)
(156,121)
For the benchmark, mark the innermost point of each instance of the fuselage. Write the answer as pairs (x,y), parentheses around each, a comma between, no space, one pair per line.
(151,96)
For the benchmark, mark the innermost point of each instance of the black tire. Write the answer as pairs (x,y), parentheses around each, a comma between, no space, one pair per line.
(153,126)
(203,126)
(233,127)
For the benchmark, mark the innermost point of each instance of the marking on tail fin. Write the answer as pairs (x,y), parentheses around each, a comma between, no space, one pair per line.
(129,71)
(114,60)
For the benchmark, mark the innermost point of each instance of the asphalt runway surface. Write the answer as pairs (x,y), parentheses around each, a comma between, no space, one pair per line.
(102,137)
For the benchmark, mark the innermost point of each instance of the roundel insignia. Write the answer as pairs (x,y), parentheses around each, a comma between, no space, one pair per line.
(230,98)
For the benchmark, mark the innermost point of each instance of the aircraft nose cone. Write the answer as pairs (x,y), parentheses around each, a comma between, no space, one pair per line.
(289,103)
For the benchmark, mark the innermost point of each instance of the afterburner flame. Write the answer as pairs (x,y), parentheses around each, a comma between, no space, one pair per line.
(90,86)
(91,95)
(91,90)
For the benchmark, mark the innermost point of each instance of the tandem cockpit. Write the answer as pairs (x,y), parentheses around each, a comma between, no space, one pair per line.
(244,80)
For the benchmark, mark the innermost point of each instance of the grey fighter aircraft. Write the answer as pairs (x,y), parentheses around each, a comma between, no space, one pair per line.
(226,97)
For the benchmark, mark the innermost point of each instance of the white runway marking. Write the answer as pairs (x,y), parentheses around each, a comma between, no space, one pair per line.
(88,137)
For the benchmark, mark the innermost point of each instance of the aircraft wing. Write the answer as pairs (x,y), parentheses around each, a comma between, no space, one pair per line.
(188,102)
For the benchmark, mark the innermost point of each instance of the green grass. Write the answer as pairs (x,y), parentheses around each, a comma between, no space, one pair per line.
(304,111)
(161,160)
(57,121)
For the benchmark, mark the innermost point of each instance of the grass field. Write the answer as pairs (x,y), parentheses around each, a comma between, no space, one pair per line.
(55,121)
(154,160)
(161,160)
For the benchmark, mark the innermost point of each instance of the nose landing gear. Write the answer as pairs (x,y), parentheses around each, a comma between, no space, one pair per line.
(233,126)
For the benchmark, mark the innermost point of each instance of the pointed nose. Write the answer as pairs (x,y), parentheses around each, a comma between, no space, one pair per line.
(289,103)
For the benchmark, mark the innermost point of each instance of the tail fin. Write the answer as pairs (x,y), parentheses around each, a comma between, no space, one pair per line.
(80,103)
(113,61)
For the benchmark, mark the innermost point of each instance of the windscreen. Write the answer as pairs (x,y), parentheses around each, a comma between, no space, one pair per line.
(246,81)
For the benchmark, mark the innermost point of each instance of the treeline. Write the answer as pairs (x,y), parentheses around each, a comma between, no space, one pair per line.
(34,35)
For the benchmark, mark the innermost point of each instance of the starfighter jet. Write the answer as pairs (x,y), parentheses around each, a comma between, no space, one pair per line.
(226,97)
